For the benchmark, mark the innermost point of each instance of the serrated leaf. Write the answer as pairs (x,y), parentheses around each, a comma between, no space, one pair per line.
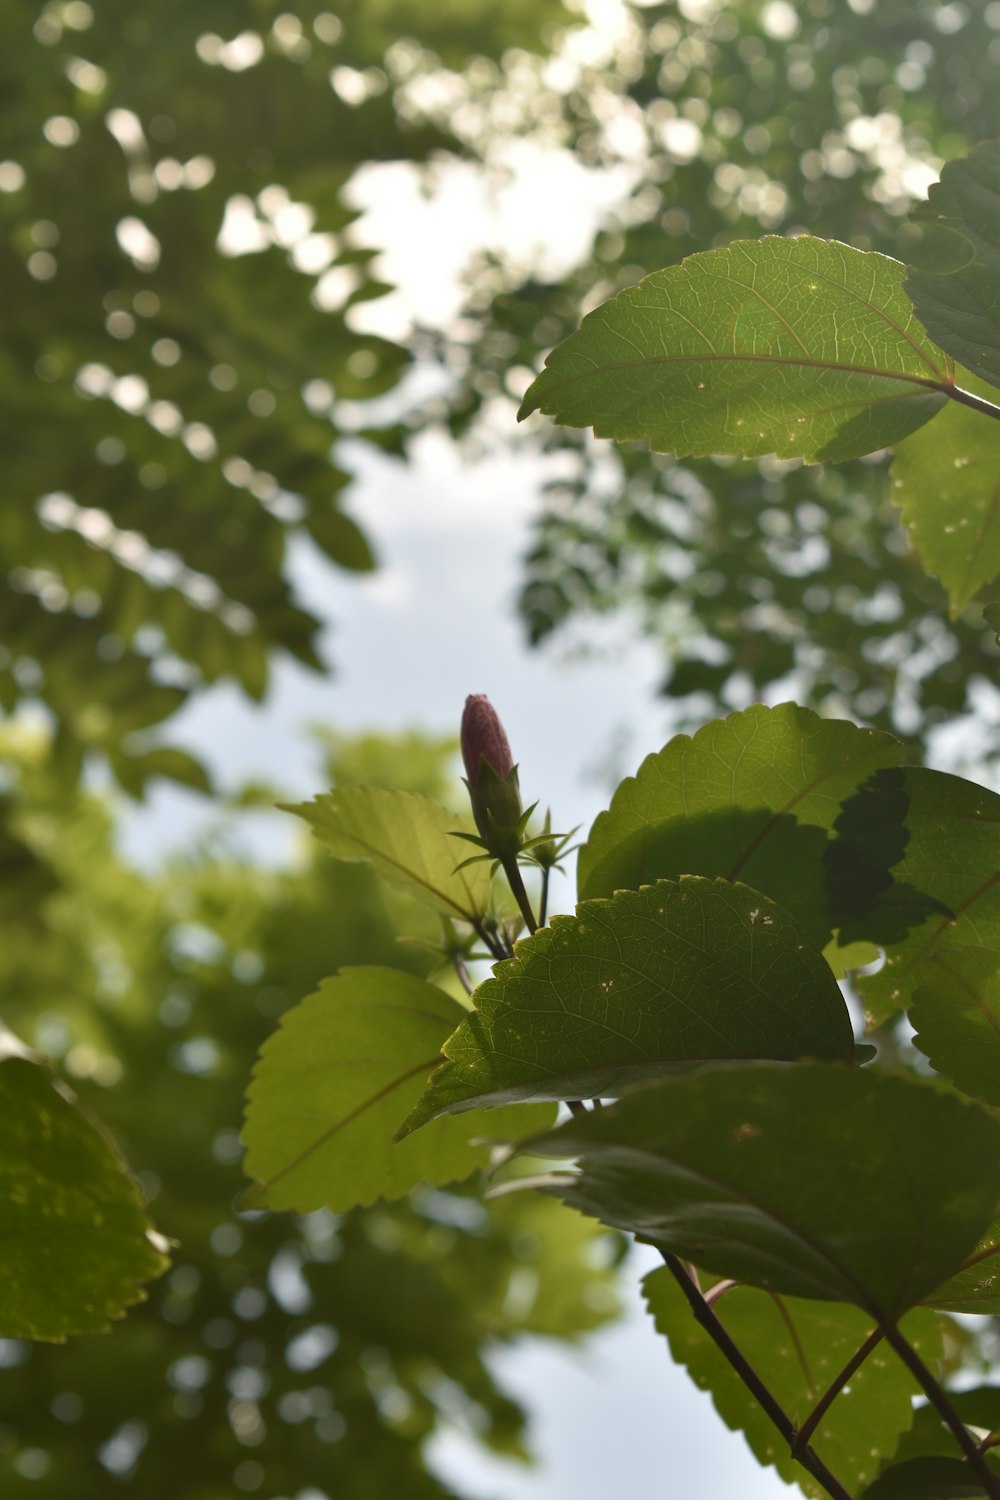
(802,347)
(334,1082)
(635,987)
(407,839)
(956,288)
(926,1479)
(751,797)
(810,1180)
(946,482)
(75,1243)
(946,884)
(956,1014)
(975,1286)
(798,1348)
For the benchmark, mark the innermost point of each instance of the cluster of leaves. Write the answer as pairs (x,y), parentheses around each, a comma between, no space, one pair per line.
(754,577)
(275,1349)
(850,1208)
(182,347)
(721,895)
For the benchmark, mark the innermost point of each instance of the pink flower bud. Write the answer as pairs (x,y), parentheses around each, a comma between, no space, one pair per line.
(483,737)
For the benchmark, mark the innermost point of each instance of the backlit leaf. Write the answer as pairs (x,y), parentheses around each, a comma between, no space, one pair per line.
(956,288)
(946,890)
(334,1082)
(636,986)
(75,1242)
(809,1180)
(956,1013)
(975,1286)
(752,797)
(797,1348)
(946,481)
(801,347)
(926,1479)
(407,839)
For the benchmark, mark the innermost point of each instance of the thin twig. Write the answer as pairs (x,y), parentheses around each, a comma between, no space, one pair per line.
(707,1319)
(464,976)
(491,943)
(719,1290)
(833,1390)
(938,1397)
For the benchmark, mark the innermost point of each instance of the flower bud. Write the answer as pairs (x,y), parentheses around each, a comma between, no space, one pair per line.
(491,777)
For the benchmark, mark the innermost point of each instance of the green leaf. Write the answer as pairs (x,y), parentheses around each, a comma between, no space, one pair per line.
(814,1181)
(956,1013)
(956,288)
(408,839)
(946,482)
(334,1082)
(341,538)
(798,1348)
(926,1479)
(801,347)
(75,1242)
(991,614)
(946,884)
(634,987)
(752,797)
(929,1435)
(975,1286)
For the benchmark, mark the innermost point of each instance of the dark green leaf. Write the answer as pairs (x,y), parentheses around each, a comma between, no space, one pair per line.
(946,482)
(992,616)
(956,287)
(801,347)
(956,1013)
(797,1348)
(926,1479)
(751,797)
(636,986)
(407,839)
(75,1242)
(341,538)
(333,1084)
(810,1180)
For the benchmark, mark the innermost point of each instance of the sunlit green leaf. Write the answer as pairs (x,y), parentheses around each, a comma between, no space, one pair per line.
(407,839)
(636,986)
(810,1180)
(75,1243)
(801,347)
(946,481)
(751,797)
(797,1348)
(335,1081)
(956,285)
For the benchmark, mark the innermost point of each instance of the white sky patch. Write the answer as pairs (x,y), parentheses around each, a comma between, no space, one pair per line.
(540,210)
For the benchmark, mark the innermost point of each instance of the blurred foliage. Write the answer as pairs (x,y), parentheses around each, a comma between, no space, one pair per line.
(181,269)
(756,579)
(278,1352)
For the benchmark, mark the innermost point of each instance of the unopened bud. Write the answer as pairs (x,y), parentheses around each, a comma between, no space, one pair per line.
(483,738)
(491,776)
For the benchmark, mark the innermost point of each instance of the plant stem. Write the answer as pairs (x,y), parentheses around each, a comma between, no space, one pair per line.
(966,398)
(463,974)
(513,873)
(707,1319)
(543,906)
(825,1401)
(938,1397)
(490,942)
